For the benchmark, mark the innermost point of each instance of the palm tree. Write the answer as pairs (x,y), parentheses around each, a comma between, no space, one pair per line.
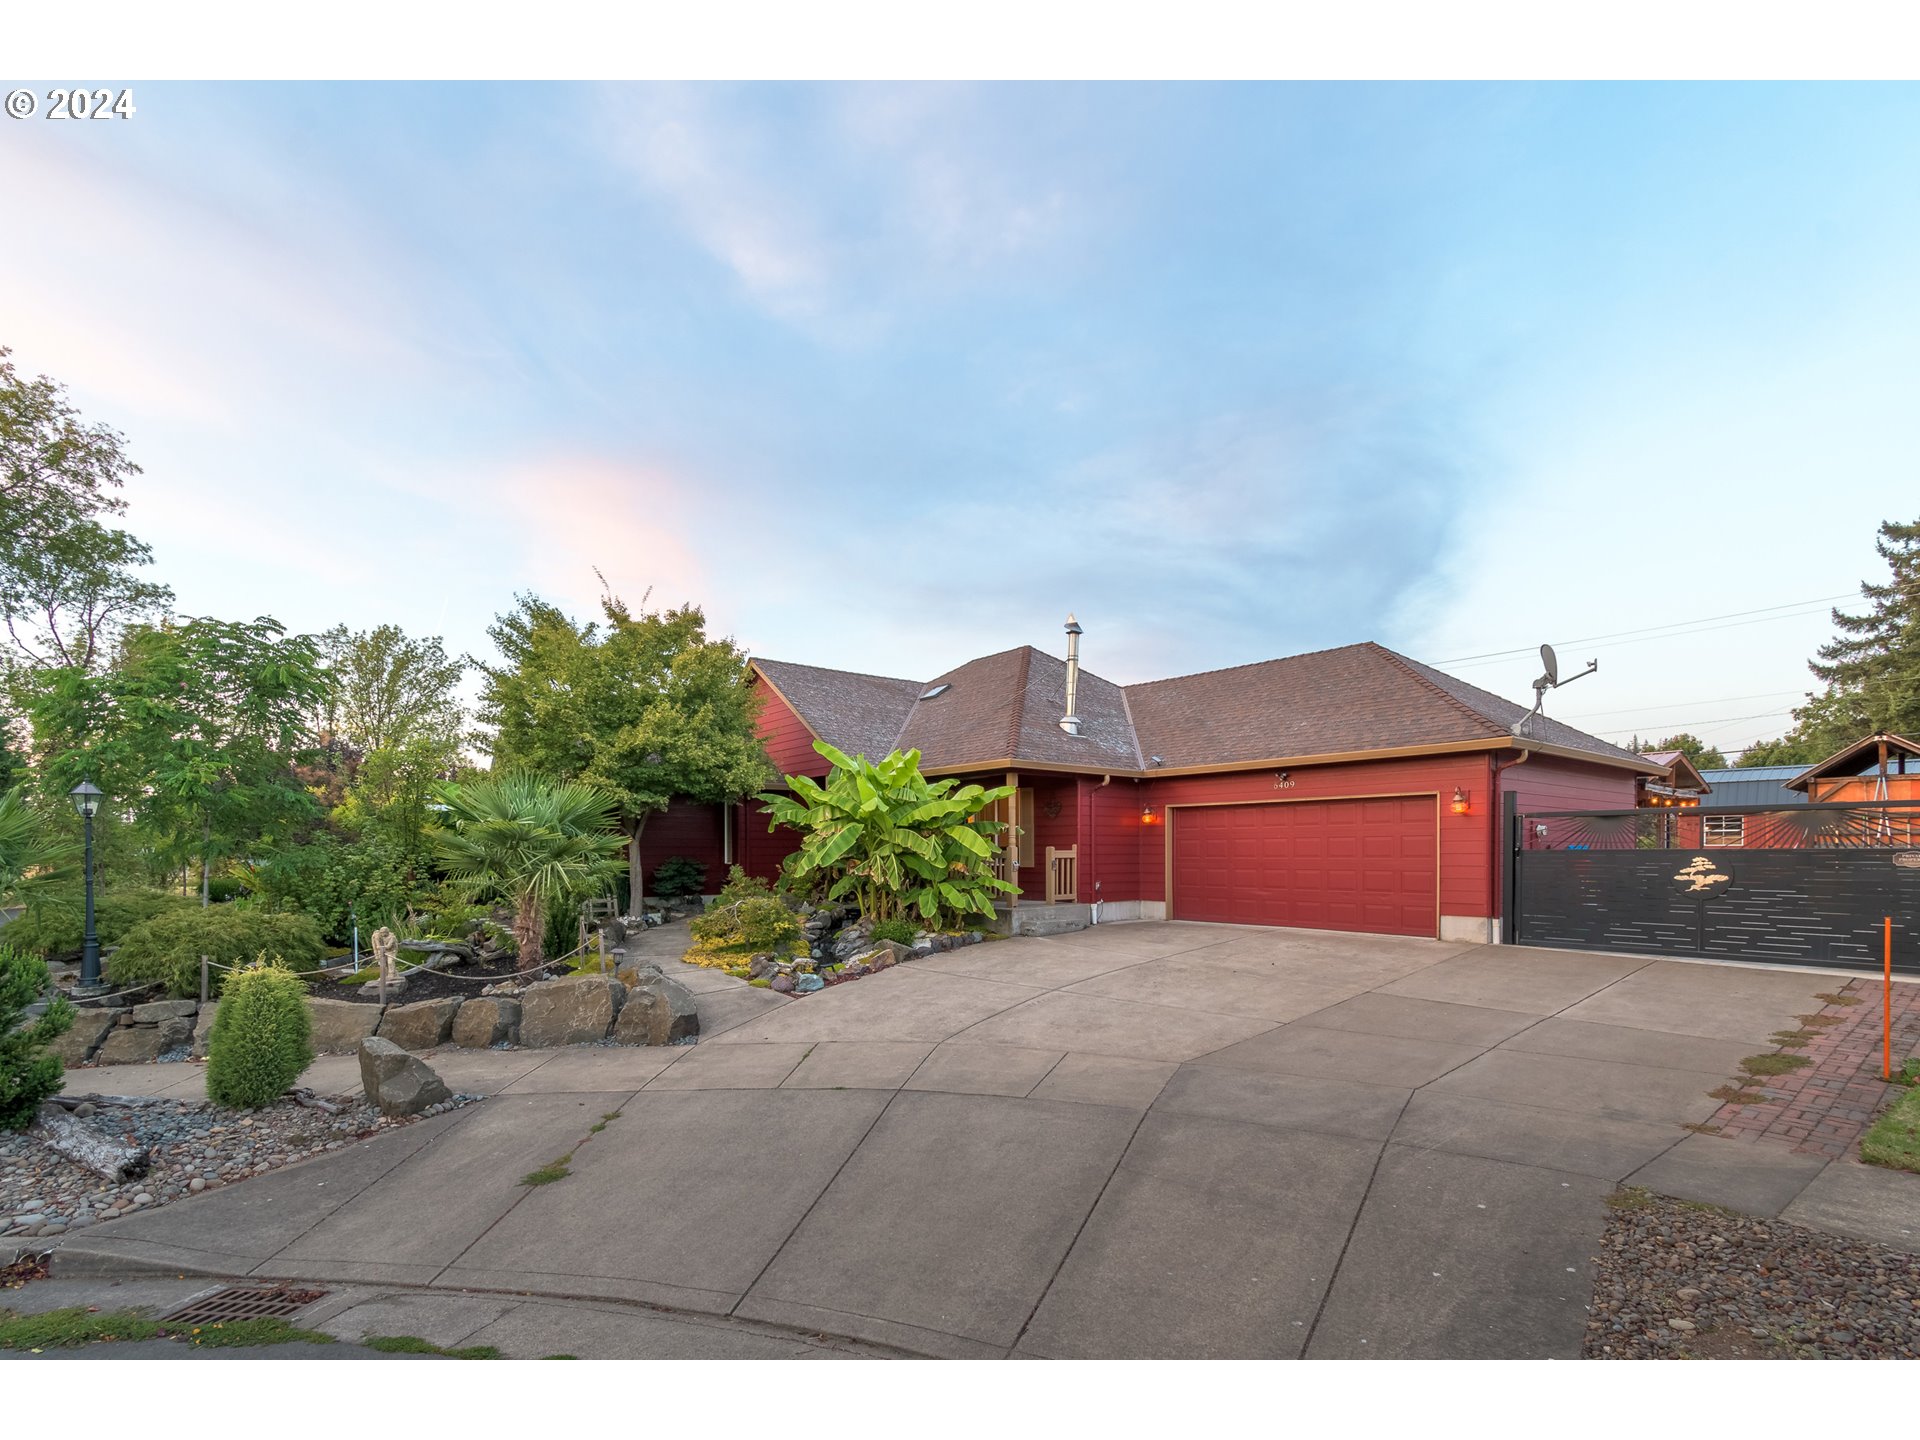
(532,841)
(32,858)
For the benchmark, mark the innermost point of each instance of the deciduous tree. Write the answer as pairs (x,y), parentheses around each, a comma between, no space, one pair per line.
(645,706)
(67,580)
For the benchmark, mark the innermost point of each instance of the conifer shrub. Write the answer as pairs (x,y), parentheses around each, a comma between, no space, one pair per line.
(54,926)
(167,949)
(260,1041)
(28,1074)
(678,877)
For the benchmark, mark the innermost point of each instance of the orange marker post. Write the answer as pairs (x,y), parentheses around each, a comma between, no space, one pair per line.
(1886,1006)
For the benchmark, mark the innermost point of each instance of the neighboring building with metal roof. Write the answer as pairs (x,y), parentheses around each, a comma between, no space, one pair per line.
(1751,785)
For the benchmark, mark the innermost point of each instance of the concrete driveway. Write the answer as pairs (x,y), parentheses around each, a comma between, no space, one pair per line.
(1139,1140)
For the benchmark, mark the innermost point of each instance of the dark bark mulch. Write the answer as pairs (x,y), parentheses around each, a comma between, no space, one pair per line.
(1678,1281)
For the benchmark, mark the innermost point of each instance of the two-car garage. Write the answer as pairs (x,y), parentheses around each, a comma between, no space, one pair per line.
(1367,865)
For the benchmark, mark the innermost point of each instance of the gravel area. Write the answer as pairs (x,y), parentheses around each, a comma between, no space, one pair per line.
(195,1146)
(1677,1281)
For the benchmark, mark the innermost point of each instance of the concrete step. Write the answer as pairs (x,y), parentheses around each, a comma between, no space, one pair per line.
(1040,919)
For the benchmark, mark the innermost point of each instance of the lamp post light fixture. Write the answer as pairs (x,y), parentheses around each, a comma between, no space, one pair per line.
(86,799)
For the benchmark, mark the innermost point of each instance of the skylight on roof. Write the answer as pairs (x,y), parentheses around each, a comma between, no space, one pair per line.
(936,690)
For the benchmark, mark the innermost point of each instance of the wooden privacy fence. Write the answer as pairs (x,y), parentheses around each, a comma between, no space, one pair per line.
(1063,874)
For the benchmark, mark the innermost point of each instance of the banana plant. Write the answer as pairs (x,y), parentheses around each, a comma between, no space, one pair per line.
(898,845)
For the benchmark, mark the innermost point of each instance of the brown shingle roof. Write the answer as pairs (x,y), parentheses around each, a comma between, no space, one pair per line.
(860,714)
(1007,707)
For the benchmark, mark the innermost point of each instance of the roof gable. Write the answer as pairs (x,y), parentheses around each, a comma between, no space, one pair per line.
(1860,758)
(860,714)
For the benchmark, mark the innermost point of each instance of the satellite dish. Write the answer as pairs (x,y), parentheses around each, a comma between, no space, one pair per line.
(1550,681)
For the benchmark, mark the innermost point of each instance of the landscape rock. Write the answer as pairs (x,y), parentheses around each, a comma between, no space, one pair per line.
(782,984)
(577,1010)
(883,955)
(132,1045)
(340,1025)
(421,1025)
(397,1082)
(202,1027)
(485,1021)
(90,1027)
(807,984)
(154,1011)
(658,1011)
(176,1034)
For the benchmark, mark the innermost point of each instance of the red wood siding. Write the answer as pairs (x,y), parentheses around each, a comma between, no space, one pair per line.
(790,746)
(1109,840)
(789,743)
(1060,831)
(1363,865)
(1466,844)
(684,828)
(760,853)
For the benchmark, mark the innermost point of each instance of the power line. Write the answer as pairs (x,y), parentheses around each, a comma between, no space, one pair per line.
(1716,700)
(1681,725)
(1670,635)
(1797,607)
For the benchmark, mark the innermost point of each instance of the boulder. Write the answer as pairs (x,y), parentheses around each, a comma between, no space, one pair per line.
(577,1010)
(882,955)
(486,1020)
(421,1025)
(202,1027)
(90,1027)
(177,1033)
(132,1045)
(781,983)
(154,1011)
(658,1011)
(397,1082)
(850,941)
(340,1025)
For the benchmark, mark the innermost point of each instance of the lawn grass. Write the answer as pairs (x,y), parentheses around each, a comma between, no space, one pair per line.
(246,1334)
(73,1326)
(414,1345)
(1894,1140)
(76,1325)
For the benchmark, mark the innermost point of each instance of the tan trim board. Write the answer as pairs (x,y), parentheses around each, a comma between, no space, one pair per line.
(1281,762)
(1166,887)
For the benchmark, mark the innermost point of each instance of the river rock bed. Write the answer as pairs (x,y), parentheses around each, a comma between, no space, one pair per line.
(195,1146)
(1677,1281)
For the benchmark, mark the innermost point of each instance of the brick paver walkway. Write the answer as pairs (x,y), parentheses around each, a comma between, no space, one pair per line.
(1825,1108)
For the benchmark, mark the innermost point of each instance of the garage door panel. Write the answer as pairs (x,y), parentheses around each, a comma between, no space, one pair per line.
(1362,865)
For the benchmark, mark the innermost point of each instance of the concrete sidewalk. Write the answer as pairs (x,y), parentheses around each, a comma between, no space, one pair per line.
(1140,1140)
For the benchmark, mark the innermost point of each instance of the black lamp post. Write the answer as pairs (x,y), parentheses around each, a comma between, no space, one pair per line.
(86,799)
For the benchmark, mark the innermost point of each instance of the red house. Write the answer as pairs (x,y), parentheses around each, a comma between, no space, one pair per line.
(1348,789)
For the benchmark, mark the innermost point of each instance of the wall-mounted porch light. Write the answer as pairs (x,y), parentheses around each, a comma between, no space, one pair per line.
(1460,802)
(1147,817)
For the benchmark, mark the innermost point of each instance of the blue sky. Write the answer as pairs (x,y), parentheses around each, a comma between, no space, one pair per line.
(888,377)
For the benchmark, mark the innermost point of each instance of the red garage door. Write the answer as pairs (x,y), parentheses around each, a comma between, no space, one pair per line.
(1319,865)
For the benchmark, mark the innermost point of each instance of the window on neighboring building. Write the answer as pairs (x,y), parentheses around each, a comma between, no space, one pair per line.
(1723,829)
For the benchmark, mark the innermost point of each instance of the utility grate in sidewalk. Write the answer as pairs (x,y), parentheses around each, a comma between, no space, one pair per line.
(243,1302)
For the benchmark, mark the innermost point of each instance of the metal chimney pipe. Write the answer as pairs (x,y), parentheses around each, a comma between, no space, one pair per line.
(1070,722)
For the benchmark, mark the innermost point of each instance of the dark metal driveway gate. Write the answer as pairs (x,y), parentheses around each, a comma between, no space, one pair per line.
(1807,885)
